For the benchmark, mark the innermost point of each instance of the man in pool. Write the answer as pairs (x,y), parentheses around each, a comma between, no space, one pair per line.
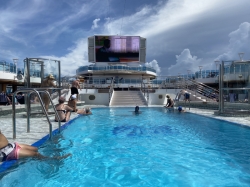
(15,151)
(180,109)
(137,110)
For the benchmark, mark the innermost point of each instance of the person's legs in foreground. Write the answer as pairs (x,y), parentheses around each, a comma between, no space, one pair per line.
(28,151)
(67,115)
(31,151)
(45,99)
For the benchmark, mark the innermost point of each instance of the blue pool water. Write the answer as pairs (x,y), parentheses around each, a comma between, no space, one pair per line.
(113,147)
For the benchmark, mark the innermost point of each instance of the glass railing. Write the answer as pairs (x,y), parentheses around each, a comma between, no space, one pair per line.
(7,67)
(116,81)
(206,74)
(108,68)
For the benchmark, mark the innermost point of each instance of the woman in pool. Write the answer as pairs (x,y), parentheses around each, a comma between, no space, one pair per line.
(15,151)
(63,111)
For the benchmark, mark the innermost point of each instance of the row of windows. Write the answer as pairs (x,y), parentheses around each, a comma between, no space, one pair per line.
(101,68)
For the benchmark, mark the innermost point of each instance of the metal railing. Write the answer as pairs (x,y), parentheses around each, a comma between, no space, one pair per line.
(29,91)
(8,67)
(111,90)
(115,68)
(206,91)
(198,89)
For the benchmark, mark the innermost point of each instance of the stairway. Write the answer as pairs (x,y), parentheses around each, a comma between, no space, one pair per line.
(127,98)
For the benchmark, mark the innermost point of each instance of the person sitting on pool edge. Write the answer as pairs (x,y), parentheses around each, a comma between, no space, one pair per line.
(180,109)
(15,151)
(63,111)
(84,111)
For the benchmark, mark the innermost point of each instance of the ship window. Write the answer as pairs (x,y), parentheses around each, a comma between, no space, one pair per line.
(160,96)
(91,97)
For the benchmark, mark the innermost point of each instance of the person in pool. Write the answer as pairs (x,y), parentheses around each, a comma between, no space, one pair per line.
(15,151)
(180,109)
(137,108)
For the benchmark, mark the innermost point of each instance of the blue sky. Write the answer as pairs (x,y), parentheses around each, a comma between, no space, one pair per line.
(181,34)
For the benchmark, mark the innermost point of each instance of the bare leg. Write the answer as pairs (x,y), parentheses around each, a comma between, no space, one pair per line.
(47,105)
(67,116)
(31,151)
(27,151)
(75,106)
(45,100)
(28,147)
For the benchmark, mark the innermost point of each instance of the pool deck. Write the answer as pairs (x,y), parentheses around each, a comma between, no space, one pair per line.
(39,126)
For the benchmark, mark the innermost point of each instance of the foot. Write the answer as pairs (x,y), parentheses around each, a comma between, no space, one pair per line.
(64,156)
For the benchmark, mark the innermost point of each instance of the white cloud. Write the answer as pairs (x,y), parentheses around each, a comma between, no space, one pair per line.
(78,56)
(239,42)
(185,61)
(154,23)
(95,23)
(154,64)
(150,21)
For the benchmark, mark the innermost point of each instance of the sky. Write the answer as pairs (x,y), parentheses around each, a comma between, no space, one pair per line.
(181,34)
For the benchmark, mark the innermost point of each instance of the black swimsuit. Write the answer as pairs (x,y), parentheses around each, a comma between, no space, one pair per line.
(64,111)
(169,103)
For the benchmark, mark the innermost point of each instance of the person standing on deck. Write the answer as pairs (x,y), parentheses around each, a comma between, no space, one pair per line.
(48,82)
(75,87)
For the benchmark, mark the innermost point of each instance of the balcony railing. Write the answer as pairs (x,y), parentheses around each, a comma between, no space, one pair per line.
(7,67)
(115,68)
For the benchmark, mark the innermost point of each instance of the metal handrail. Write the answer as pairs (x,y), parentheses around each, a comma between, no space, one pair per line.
(111,90)
(207,91)
(28,110)
(204,90)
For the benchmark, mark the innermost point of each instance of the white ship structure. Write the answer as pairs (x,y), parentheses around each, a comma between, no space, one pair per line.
(118,76)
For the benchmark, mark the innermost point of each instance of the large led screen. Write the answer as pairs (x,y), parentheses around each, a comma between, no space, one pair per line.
(117,48)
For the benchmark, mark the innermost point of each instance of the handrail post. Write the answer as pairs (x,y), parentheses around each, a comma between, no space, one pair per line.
(59,122)
(44,110)
(222,85)
(14,115)
(28,111)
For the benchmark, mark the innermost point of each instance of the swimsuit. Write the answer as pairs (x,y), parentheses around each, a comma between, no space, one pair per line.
(64,111)
(64,120)
(169,103)
(74,90)
(10,152)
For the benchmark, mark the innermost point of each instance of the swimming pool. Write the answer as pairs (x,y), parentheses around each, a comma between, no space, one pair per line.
(114,147)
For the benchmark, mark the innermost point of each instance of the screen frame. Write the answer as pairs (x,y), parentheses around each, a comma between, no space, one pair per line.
(138,60)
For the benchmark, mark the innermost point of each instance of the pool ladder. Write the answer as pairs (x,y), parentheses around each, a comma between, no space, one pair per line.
(29,91)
